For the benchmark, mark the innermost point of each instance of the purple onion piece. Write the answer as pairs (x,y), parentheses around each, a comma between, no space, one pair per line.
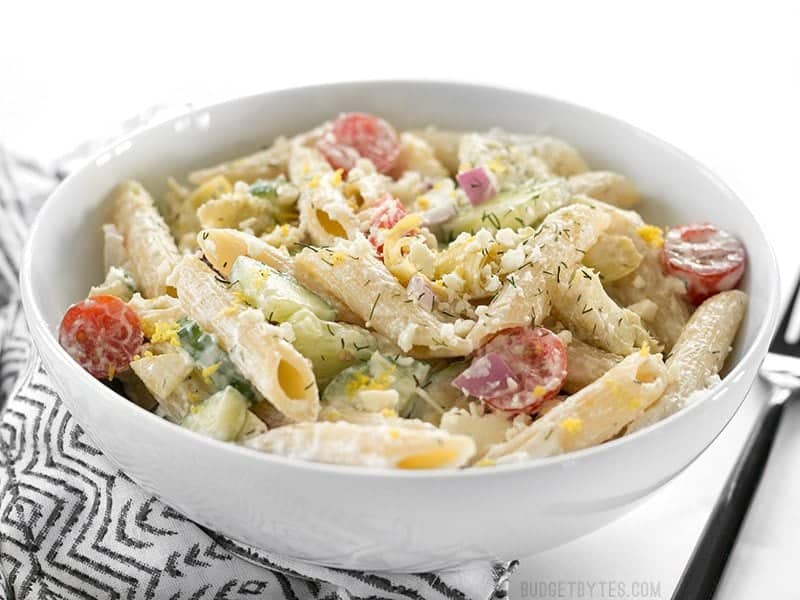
(489,376)
(477,185)
(420,292)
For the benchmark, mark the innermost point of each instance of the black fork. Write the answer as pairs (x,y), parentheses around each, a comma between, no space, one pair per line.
(781,369)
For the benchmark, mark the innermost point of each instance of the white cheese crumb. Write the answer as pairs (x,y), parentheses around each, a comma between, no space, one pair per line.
(512,260)
(506,237)
(453,281)
(377,400)
(463,326)
(406,338)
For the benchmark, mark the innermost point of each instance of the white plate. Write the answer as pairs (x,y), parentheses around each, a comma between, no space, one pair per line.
(358,518)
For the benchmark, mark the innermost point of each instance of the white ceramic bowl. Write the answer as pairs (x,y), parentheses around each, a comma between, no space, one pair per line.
(358,518)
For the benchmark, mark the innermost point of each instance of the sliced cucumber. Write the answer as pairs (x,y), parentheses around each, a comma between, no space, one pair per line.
(331,347)
(280,195)
(278,191)
(277,294)
(441,394)
(394,380)
(521,206)
(212,360)
(221,416)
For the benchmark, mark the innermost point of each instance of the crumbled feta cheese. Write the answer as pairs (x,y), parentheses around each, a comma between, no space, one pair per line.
(492,283)
(378,400)
(453,281)
(406,338)
(422,257)
(463,326)
(484,238)
(506,237)
(512,260)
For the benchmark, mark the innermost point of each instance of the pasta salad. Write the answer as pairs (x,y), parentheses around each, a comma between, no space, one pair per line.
(415,300)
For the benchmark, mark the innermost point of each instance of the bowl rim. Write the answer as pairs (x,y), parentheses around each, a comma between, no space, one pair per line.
(37,322)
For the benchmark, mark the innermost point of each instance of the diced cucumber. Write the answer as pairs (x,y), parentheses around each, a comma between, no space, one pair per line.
(212,360)
(357,386)
(278,191)
(331,347)
(221,416)
(277,294)
(280,195)
(442,394)
(520,206)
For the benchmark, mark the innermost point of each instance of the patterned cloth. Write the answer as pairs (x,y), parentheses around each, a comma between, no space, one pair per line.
(72,525)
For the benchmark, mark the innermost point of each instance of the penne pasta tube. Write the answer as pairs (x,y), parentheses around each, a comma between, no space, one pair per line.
(278,371)
(417,155)
(351,272)
(586,364)
(264,164)
(387,446)
(647,281)
(698,355)
(593,415)
(606,186)
(221,247)
(444,144)
(150,246)
(583,305)
(554,255)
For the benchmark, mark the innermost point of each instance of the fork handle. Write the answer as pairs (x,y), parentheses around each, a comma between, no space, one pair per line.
(702,574)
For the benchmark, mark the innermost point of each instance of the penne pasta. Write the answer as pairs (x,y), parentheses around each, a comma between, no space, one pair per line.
(256,348)
(698,355)
(431,298)
(444,145)
(593,415)
(380,446)
(221,247)
(606,186)
(586,364)
(148,241)
(379,301)
(528,295)
(264,164)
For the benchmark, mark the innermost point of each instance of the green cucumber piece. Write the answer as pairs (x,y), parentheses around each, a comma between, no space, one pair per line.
(331,347)
(379,373)
(521,206)
(206,353)
(220,416)
(277,294)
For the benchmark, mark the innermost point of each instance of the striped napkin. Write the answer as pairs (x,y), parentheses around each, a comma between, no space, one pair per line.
(72,525)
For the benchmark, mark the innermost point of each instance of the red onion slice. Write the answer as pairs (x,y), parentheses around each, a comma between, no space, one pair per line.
(488,376)
(420,292)
(476,184)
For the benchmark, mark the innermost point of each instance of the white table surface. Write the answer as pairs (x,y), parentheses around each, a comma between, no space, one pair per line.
(718,81)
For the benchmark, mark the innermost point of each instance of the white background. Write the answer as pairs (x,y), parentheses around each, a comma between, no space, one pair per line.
(718,80)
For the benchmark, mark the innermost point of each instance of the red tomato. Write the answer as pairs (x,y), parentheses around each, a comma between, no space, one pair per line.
(538,359)
(102,334)
(354,135)
(386,213)
(707,259)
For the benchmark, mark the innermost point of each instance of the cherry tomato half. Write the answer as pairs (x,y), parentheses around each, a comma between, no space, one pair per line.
(707,259)
(538,359)
(102,334)
(354,135)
